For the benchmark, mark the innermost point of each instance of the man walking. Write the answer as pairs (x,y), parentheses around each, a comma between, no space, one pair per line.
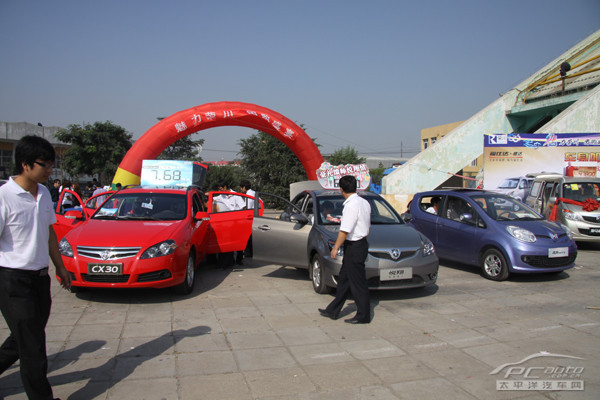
(27,242)
(354,229)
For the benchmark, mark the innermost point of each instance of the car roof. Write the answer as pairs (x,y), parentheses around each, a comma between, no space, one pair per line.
(331,192)
(464,191)
(139,189)
(566,179)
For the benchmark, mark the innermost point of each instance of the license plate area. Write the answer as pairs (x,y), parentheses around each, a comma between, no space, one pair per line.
(395,274)
(558,252)
(105,269)
(595,231)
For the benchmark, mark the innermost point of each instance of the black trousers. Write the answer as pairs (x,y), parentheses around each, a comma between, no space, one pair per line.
(25,304)
(352,279)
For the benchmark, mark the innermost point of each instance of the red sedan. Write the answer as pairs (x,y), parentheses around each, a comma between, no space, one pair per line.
(148,237)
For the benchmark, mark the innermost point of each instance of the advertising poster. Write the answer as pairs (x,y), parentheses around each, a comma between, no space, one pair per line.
(518,154)
(329,175)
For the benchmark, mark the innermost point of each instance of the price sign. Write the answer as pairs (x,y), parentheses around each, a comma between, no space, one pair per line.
(167,173)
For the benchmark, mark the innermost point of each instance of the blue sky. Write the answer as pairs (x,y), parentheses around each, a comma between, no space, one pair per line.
(369,74)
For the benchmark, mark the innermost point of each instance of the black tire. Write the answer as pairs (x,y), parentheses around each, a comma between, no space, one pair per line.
(187,285)
(317,275)
(494,265)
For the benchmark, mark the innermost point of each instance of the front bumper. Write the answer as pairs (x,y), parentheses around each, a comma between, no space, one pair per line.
(424,271)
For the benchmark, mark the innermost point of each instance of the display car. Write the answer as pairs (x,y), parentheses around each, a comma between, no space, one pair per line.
(494,231)
(148,237)
(571,201)
(301,234)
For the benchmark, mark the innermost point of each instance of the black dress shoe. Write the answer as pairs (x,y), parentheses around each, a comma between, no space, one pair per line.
(327,314)
(356,321)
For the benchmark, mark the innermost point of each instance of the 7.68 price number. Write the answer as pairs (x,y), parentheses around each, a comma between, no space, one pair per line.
(167,174)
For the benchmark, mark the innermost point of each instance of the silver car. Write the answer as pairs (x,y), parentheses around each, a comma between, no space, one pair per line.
(567,195)
(301,234)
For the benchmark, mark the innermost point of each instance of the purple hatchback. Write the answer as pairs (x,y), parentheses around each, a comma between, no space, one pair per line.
(494,231)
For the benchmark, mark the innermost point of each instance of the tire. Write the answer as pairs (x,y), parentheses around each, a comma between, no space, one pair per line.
(187,285)
(317,275)
(494,265)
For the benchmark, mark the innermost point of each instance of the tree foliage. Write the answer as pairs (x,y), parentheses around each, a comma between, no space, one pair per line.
(346,155)
(95,149)
(183,149)
(226,173)
(269,164)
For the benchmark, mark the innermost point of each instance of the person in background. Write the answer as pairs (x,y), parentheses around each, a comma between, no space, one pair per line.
(435,205)
(55,192)
(27,243)
(246,187)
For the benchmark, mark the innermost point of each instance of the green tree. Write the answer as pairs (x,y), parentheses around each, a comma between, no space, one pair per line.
(183,149)
(227,173)
(269,164)
(95,149)
(346,155)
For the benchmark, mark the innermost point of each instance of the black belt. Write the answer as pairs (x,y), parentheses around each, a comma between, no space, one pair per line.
(37,272)
(355,241)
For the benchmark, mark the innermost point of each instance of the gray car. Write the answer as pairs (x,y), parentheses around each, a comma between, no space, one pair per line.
(301,234)
(569,196)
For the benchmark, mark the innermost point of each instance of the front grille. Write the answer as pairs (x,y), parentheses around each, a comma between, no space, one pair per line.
(547,262)
(589,218)
(588,232)
(107,253)
(105,278)
(560,235)
(155,276)
(387,254)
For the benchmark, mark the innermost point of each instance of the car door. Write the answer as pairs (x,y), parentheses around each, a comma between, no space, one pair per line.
(278,236)
(426,222)
(200,221)
(456,236)
(228,229)
(70,218)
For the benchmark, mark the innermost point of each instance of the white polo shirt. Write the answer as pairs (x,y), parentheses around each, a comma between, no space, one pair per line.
(24,227)
(356,218)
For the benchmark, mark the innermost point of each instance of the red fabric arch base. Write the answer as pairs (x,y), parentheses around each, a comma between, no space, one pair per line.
(226,113)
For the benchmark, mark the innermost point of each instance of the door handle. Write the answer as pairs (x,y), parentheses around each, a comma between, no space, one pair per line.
(264,228)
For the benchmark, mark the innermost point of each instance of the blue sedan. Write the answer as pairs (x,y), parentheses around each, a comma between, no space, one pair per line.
(493,231)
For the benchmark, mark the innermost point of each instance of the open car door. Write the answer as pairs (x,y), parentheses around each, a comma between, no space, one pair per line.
(70,213)
(230,223)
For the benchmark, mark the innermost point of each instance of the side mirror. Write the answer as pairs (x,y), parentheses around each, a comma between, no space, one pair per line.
(406,217)
(74,214)
(299,219)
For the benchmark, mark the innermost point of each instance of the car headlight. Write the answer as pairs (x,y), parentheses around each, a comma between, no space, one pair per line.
(161,249)
(521,234)
(427,248)
(570,215)
(569,232)
(65,248)
(331,243)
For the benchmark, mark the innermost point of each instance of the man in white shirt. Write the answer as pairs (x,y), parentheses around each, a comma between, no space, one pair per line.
(353,233)
(246,187)
(27,242)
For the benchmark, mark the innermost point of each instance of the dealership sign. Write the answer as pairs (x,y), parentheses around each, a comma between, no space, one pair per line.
(518,154)
(329,176)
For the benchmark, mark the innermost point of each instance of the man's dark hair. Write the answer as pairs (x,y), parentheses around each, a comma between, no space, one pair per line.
(31,148)
(435,200)
(246,184)
(222,184)
(348,183)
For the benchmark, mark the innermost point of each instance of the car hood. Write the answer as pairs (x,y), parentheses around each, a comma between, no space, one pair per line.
(538,227)
(386,235)
(121,233)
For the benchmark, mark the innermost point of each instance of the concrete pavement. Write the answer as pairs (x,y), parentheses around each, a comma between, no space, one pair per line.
(254,333)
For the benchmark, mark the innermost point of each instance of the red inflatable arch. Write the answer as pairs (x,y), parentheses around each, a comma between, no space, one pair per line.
(211,115)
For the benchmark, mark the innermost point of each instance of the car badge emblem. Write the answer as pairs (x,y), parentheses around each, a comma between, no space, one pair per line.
(396,254)
(105,255)
(554,237)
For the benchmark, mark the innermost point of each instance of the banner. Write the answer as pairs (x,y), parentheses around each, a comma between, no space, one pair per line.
(329,176)
(518,154)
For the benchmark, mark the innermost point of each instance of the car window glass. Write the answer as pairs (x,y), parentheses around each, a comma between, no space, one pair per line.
(535,189)
(276,207)
(144,206)
(457,207)
(581,191)
(330,210)
(226,202)
(430,204)
(197,204)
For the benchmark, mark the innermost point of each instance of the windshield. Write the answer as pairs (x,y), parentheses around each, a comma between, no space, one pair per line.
(329,211)
(504,208)
(509,183)
(581,191)
(144,206)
